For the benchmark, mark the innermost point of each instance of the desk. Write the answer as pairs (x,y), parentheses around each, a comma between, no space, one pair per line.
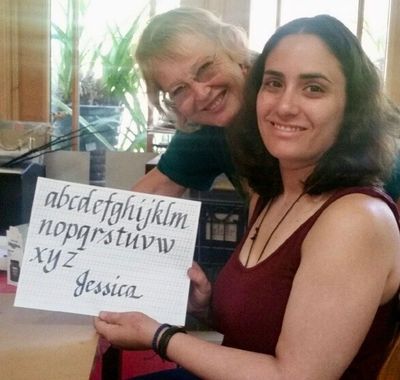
(43,345)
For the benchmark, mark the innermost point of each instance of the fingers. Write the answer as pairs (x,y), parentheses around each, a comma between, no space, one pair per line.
(195,273)
(107,323)
(198,278)
(110,317)
(129,330)
(102,327)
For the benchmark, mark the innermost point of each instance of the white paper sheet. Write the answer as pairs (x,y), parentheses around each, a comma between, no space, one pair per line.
(92,248)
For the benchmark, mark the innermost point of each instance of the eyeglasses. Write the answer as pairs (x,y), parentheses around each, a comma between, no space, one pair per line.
(175,97)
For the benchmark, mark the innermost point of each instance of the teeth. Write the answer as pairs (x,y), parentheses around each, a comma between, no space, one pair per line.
(215,103)
(287,128)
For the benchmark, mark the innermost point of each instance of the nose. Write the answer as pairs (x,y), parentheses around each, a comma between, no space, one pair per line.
(200,90)
(288,103)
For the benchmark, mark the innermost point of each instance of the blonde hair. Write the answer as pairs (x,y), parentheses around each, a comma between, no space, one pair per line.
(158,41)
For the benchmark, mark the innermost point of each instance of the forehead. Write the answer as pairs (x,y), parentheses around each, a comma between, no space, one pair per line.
(308,52)
(191,45)
(185,54)
(182,48)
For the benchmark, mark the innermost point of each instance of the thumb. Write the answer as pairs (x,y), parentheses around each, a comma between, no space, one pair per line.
(109,317)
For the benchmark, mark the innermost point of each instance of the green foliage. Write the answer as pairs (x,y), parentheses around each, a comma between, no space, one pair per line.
(119,83)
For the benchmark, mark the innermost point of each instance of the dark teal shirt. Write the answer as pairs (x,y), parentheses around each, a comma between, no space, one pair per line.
(195,159)
(392,187)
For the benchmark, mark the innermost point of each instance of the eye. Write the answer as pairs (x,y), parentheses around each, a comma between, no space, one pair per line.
(177,91)
(204,71)
(271,84)
(314,88)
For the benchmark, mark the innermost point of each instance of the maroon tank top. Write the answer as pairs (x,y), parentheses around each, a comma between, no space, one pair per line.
(249,303)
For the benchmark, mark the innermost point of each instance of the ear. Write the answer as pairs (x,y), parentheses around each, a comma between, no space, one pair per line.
(245,68)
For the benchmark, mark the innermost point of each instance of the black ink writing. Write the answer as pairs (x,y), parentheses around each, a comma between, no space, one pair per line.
(51,258)
(86,285)
(85,235)
(141,212)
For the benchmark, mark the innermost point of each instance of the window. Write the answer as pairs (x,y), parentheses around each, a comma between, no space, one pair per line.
(371,15)
(110,97)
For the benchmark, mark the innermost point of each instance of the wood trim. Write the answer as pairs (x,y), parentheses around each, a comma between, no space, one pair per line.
(8,60)
(33,59)
(391,367)
(24,60)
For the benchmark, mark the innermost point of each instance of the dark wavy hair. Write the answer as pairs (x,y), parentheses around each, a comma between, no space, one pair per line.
(364,151)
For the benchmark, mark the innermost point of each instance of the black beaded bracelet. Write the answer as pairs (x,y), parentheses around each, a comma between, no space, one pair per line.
(154,342)
(165,338)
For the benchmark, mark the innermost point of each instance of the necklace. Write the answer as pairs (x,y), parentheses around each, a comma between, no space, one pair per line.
(257,229)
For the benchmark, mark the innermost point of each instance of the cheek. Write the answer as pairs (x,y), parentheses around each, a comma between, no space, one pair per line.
(263,105)
(235,84)
(332,122)
(262,110)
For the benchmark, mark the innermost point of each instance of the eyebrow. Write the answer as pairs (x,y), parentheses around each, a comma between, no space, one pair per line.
(302,76)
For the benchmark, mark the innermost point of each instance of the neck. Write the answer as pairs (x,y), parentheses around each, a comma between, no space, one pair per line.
(291,189)
(293,179)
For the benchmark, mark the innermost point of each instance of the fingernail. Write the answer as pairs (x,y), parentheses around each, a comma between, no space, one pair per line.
(102,314)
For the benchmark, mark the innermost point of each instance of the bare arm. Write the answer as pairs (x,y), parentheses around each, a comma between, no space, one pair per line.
(155,182)
(343,277)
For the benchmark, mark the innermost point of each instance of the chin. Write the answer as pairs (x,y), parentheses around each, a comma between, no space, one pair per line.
(217,123)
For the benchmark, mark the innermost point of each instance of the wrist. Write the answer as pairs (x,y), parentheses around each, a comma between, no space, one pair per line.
(162,337)
(157,334)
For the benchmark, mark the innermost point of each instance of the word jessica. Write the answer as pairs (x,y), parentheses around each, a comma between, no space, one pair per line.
(84,285)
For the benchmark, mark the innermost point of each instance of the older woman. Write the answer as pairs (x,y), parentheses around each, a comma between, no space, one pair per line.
(194,66)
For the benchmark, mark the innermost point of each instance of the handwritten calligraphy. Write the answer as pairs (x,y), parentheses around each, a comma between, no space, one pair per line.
(90,248)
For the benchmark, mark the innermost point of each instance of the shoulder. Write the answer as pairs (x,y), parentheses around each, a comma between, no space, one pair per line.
(357,209)
(356,238)
(356,224)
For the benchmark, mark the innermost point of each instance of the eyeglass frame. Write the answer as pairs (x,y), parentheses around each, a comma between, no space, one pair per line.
(209,70)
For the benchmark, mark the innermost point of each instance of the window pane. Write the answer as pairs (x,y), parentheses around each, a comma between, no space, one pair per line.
(374,35)
(262,22)
(375,31)
(113,103)
(344,10)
